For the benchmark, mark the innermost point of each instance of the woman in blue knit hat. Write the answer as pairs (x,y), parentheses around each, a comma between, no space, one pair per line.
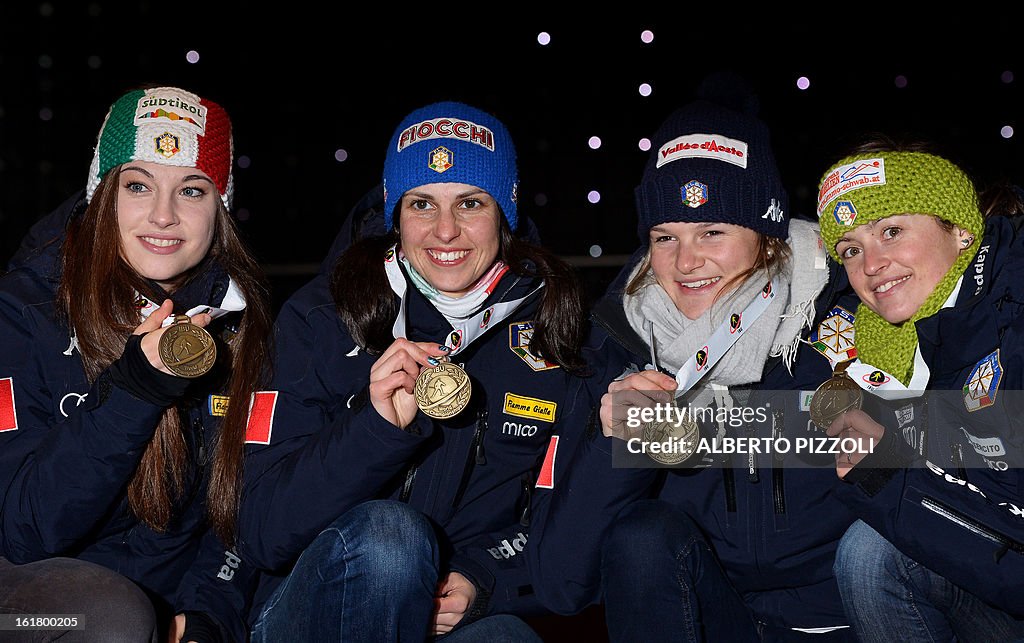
(680,538)
(417,389)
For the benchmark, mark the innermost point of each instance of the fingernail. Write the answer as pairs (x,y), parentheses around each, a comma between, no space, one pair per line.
(432,361)
(443,348)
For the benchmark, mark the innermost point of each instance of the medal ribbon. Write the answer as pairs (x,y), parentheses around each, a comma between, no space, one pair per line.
(723,339)
(233,302)
(465,330)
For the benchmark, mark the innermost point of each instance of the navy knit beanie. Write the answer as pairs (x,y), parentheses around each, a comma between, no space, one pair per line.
(712,163)
(451,143)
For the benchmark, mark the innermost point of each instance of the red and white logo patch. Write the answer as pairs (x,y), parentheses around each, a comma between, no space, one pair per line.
(8,412)
(546,479)
(261,417)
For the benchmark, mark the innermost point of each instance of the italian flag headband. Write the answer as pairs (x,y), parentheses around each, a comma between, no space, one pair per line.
(169,126)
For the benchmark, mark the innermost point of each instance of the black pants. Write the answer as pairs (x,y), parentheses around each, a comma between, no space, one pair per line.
(109,607)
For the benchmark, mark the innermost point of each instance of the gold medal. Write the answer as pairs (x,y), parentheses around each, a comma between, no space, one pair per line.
(186,349)
(443,391)
(835,396)
(678,439)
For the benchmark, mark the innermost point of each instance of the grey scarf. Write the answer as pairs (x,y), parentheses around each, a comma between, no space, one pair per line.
(776,332)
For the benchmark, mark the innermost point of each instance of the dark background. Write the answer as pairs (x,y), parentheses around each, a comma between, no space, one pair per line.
(302,83)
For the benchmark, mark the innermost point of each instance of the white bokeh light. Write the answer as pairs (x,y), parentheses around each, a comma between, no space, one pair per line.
(595,251)
(244,161)
(647,36)
(192,56)
(645,89)
(593,196)
(544,38)
(900,81)
(594,142)
(803,82)
(644,144)
(340,155)
(1006,131)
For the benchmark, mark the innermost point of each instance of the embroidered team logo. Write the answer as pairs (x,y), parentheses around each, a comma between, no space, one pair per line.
(735,320)
(441,159)
(834,336)
(983,382)
(876,378)
(844,212)
(455,339)
(487,317)
(702,358)
(519,336)
(167,145)
(695,194)
(8,411)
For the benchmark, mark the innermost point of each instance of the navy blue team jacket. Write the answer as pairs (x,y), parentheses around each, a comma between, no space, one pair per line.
(774,525)
(68,449)
(327,449)
(946,485)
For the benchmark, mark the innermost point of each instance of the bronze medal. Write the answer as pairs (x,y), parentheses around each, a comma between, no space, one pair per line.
(683,438)
(186,349)
(443,391)
(834,397)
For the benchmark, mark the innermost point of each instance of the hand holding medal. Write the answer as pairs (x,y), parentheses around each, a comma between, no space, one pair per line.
(183,348)
(393,379)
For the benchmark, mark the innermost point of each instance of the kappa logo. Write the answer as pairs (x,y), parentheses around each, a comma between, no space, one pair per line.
(515,192)
(983,382)
(774,211)
(695,194)
(702,358)
(734,322)
(441,159)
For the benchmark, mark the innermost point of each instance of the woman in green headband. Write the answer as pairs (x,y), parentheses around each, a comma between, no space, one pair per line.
(937,553)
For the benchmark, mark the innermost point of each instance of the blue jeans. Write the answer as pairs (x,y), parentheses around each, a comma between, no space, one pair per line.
(662,582)
(370,576)
(888,596)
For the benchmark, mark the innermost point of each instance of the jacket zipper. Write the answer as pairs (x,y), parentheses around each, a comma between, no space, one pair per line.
(752,458)
(971,525)
(476,456)
(730,486)
(778,484)
(957,456)
(200,432)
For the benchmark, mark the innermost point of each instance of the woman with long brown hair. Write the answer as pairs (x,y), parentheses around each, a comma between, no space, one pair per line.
(131,345)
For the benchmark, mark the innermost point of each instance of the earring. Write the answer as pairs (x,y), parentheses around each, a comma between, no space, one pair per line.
(967,242)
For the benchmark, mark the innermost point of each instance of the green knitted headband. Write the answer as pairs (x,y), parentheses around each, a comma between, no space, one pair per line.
(864,188)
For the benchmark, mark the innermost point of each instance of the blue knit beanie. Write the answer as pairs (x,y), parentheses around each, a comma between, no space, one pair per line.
(451,143)
(712,163)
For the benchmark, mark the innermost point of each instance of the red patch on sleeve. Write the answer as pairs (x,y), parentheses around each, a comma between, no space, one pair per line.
(546,479)
(8,413)
(261,417)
